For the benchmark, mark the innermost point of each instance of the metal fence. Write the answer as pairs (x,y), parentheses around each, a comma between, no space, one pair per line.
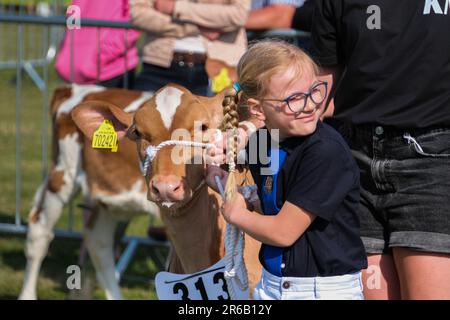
(30,56)
(36,53)
(34,59)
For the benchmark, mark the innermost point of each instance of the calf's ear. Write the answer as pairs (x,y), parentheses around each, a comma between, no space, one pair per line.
(215,109)
(89,115)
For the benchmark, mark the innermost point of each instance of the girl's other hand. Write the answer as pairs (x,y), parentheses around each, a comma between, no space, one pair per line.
(213,171)
(216,156)
(233,208)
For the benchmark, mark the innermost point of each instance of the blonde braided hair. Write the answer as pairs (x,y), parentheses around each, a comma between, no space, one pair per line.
(234,238)
(230,126)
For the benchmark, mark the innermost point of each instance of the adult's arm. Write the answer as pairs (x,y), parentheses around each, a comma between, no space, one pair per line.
(220,17)
(326,46)
(303,16)
(332,76)
(146,18)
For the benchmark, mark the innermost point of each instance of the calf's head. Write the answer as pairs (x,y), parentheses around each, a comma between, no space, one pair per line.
(173,172)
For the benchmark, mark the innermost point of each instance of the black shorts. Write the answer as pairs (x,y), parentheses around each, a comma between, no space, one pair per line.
(405,187)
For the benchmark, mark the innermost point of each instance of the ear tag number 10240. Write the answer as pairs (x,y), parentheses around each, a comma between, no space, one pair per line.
(105,137)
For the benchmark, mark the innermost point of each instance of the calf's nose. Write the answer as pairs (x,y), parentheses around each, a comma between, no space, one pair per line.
(166,188)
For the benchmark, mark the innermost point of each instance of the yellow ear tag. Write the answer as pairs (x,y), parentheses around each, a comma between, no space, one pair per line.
(221,81)
(105,137)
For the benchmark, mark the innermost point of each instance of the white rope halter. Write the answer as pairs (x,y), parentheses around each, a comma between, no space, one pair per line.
(151,151)
(234,253)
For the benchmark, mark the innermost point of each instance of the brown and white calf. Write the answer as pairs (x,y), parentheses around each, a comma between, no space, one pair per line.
(111,183)
(188,207)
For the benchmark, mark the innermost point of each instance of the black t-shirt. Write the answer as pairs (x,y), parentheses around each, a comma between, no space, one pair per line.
(397,75)
(303,16)
(319,175)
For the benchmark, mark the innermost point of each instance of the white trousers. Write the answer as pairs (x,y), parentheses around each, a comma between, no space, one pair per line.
(345,287)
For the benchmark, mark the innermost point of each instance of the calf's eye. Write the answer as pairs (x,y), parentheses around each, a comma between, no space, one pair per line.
(133,133)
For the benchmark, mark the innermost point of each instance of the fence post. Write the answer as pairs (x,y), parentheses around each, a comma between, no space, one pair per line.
(18,123)
(45,107)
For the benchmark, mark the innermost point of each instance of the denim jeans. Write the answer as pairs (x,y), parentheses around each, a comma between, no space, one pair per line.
(119,81)
(345,287)
(153,77)
(405,187)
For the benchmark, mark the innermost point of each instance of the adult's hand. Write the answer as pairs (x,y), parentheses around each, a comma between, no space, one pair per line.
(210,34)
(165,6)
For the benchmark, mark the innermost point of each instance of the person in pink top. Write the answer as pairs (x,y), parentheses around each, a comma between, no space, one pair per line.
(105,63)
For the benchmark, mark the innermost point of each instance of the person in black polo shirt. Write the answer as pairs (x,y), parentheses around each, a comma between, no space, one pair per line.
(309,190)
(390,64)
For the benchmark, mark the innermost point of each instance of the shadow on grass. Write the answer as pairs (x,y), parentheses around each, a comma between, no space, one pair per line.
(61,254)
(142,269)
(64,252)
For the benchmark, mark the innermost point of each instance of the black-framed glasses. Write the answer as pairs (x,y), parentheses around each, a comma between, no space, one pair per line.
(296,102)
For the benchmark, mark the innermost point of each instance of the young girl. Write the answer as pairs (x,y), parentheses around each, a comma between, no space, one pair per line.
(309,190)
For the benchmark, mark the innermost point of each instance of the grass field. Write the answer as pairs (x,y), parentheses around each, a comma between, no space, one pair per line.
(33,2)
(52,283)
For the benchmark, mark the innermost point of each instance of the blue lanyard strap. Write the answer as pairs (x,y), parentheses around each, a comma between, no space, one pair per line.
(272,256)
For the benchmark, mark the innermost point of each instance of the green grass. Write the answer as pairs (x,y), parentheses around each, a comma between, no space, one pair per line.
(52,282)
(53,276)
(32,2)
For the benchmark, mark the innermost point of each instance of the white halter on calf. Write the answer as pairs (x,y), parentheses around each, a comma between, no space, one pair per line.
(151,151)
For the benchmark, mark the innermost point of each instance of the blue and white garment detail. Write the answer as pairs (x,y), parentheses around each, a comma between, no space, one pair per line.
(258,4)
(272,256)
